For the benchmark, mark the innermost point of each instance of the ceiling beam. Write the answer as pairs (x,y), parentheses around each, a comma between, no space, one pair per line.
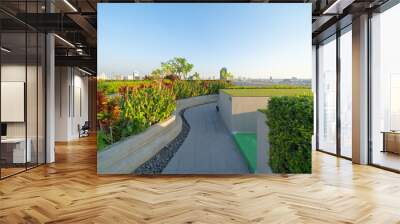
(337,6)
(78,61)
(86,26)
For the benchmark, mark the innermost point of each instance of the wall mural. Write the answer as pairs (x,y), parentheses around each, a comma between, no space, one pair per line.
(204,88)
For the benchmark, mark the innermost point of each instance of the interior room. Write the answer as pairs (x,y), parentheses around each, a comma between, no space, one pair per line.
(22,100)
(39,109)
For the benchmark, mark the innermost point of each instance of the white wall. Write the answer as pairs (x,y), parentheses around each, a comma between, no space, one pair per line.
(61,103)
(79,117)
(16,73)
(71,94)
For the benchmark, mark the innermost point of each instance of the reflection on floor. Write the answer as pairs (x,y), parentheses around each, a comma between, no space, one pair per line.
(11,169)
(70,191)
(387,159)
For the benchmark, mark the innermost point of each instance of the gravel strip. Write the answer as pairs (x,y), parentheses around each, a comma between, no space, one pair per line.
(159,161)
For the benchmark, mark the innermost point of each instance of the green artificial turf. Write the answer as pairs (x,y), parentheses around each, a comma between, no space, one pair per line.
(247,143)
(266,92)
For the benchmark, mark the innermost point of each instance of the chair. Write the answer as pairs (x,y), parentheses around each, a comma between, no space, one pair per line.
(84,130)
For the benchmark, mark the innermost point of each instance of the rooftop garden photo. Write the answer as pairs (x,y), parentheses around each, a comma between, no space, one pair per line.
(180,89)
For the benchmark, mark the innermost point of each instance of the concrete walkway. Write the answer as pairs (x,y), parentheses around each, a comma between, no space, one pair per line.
(209,148)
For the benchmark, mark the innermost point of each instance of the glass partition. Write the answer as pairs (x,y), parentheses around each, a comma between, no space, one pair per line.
(22,107)
(14,153)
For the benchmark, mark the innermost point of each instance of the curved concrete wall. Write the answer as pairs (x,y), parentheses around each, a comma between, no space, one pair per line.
(194,101)
(126,155)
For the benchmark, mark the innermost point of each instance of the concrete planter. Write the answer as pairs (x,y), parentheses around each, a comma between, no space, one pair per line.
(263,145)
(240,113)
(126,155)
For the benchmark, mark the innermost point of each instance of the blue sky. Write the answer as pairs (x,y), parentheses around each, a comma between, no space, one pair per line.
(250,40)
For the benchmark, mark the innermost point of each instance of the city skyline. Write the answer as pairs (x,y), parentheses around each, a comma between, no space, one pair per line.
(139,76)
(253,41)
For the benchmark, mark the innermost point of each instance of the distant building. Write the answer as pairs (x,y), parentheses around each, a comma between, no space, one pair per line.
(118,77)
(130,77)
(268,81)
(102,76)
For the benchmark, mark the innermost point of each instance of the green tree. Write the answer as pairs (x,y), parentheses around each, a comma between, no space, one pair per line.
(157,73)
(167,68)
(182,67)
(224,74)
(195,76)
(177,66)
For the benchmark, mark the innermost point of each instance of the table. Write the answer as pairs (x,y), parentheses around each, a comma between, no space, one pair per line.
(18,149)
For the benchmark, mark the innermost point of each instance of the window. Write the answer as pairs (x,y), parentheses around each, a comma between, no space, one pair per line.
(385,89)
(346,93)
(327,96)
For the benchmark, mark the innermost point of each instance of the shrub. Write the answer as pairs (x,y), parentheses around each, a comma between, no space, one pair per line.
(132,110)
(192,88)
(290,120)
(172,77)
(181,88)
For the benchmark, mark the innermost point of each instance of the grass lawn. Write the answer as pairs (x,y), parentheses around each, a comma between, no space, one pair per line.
(247,143)
(266,92)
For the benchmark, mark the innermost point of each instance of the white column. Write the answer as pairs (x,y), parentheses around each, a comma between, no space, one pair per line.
(50,94)
(360,90)
(314,90)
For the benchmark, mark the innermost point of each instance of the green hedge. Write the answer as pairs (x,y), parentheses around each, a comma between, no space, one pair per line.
(187,88)
(181,88)
(109,87)
(290,120)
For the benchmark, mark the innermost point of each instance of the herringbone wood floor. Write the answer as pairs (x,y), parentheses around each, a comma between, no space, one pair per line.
(70,191)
